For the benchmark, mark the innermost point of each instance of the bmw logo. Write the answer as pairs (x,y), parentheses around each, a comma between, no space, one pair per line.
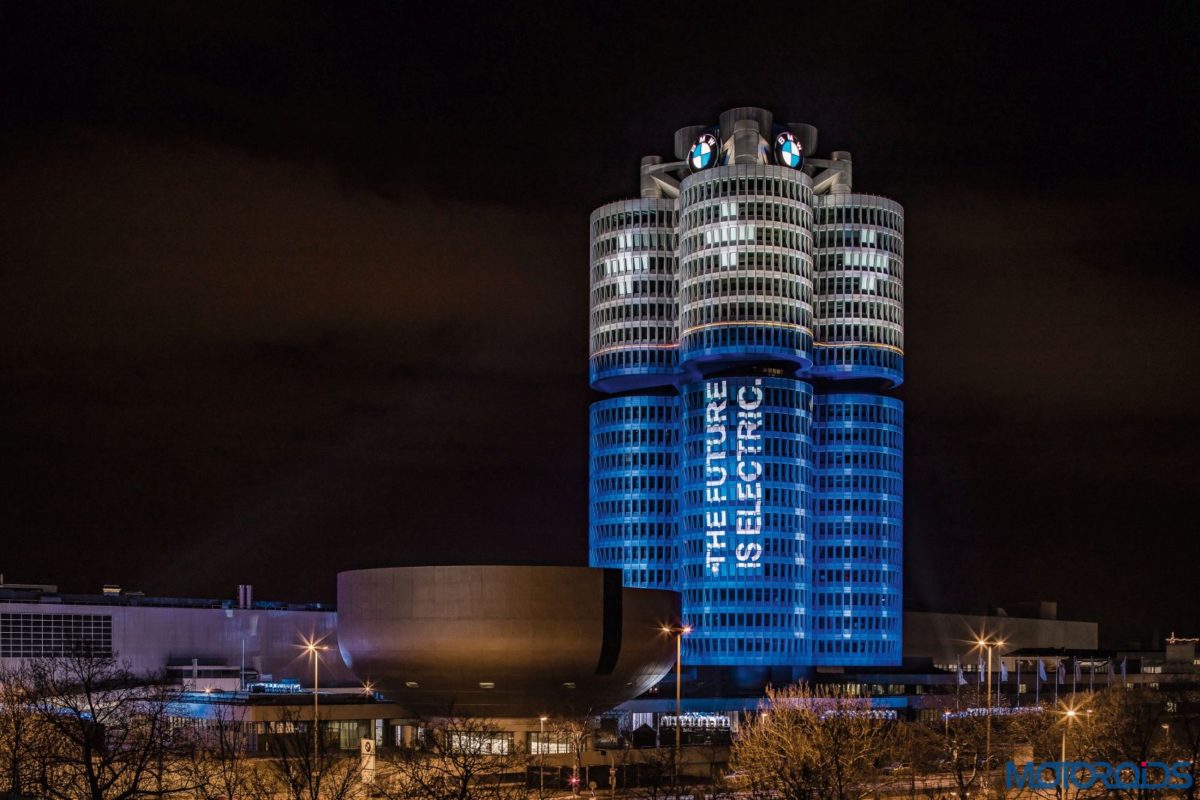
(788,150)
(704,152)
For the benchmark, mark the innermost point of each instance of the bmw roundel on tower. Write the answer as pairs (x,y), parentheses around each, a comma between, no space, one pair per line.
(704,152)
(788,150)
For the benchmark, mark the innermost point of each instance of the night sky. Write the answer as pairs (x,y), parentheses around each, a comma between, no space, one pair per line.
(291,289)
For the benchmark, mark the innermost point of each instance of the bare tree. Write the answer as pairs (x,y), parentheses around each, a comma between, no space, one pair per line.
(216,762)
(21,734)
(296,772)
(106,733)
(805,745)
(464,759)
(1184,728)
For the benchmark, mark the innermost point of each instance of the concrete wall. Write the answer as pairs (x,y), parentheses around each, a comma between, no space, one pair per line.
(148,637)
(946,637)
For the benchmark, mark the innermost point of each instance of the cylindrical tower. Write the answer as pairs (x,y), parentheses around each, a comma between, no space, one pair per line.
(856,529)
(633,490)
(745,267)
(746,462)
(752,459)
(859,308)
(634,313)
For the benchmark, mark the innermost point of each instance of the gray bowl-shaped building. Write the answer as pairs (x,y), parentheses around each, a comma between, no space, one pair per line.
(504,641)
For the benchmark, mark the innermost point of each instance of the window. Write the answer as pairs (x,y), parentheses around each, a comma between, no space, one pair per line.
(48,635)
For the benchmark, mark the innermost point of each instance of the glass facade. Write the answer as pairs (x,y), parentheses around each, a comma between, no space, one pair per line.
(733,461)
(747,459)
(634,276)
(859,280)
(633,496)
(857,515)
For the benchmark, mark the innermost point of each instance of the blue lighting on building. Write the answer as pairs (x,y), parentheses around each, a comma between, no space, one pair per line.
(747,323)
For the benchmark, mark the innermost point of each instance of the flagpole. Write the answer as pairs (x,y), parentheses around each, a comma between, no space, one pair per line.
(1018,691)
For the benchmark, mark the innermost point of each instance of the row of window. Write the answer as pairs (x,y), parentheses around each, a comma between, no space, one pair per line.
(878,484)
(859,309)
(749,286)
(635,240)
(857,408)
(606,530)
(854,622)
(755,310)
(858,333)
(767,571)
(633,359)
(629,287)
(877,530)
(759,235)
(860,237)
(825,436)
(774,262)
(633,312)
(838,647)
(839,600)
(55,635)
(652,333)
(634,505)
(764,210)
(775,543)
(826,214)
(860,261)
(729,621)
(733,646)
(856,575)
(634,218)
(849,506)
(790,185)
(625,483)
(635,410)
(868,284)
(631,553)
(634,265)
(665,460)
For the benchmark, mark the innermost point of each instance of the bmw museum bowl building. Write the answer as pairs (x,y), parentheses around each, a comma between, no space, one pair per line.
(746,331)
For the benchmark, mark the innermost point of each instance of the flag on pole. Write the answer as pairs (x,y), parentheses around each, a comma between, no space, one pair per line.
(1003,672)
(1077,670)
(1042,672)
(1110,672)
(1062,672)
(962,680)
(982,667)
(1123,674)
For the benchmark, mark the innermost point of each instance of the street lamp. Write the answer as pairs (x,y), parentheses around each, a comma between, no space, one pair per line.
(988,645)
(678,631)
(313,648)
(542,751)
(1069,716)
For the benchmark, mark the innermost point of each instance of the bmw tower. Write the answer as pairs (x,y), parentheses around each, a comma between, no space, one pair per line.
(747,334)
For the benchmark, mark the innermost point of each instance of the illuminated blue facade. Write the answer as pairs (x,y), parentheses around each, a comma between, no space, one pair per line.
(747,325)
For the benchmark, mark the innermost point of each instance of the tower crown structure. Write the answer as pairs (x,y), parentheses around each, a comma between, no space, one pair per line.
(747,325)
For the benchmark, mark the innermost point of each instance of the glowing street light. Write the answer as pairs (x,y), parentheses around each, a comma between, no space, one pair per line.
(313,648)
(542,761)
(1069,716)
(989,645)
(678,631)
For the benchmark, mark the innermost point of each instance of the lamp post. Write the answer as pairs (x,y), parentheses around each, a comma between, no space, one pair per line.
(542,752)
(314,651)
(678,631)
(1068,717)
(988,645)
